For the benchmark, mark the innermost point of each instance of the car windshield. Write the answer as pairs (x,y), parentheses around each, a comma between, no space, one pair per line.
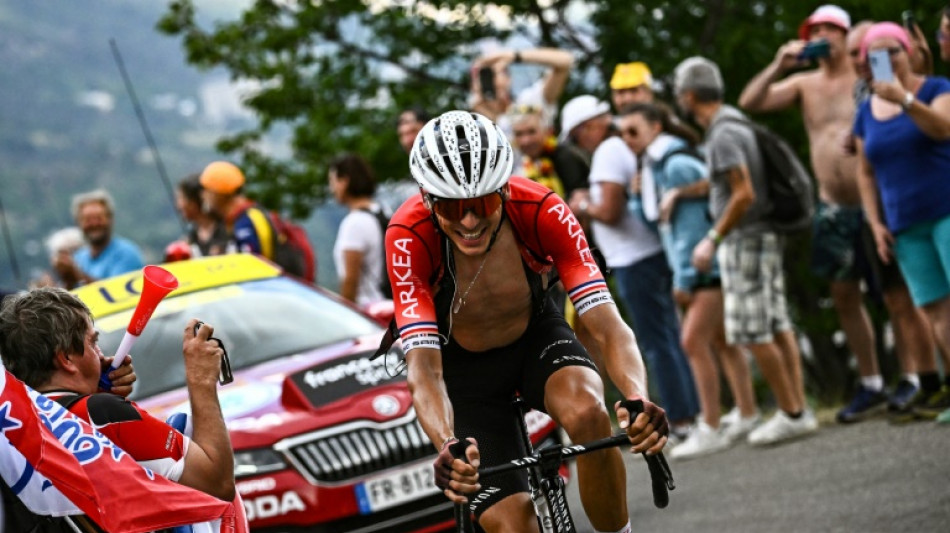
(257,321)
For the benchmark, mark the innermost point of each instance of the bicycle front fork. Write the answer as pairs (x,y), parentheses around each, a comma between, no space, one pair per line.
(550,499)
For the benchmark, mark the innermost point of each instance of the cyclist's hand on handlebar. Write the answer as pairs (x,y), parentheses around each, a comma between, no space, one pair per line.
(648,430)
(457,475)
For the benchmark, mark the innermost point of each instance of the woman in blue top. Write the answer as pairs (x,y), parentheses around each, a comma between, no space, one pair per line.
(672,164)
(903,138)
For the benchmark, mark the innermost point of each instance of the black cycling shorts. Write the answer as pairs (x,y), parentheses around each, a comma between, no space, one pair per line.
(482,385)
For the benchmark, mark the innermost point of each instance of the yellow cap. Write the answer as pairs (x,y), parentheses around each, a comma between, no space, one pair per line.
(630,75)
(222,177)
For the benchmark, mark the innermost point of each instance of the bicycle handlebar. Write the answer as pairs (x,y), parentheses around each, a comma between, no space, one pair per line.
(566,453)
(661,477)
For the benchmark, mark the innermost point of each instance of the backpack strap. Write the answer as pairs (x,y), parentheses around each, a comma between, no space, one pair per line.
(690,151)
(241,205)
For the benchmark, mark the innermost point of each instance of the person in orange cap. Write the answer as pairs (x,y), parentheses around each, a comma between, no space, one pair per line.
(249,226)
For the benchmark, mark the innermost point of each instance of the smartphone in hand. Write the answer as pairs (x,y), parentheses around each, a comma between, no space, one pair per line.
(486,77)
(815,50)
(909,20)
(880,63)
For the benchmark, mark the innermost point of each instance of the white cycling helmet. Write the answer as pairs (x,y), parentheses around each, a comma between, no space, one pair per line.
(461,155)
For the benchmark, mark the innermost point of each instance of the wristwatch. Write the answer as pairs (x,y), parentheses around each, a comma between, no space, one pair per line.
(908,100)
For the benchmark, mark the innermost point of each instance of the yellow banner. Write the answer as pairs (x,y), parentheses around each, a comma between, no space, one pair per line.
(122,292)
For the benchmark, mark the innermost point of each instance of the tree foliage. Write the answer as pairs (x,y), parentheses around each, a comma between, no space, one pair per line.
(335,73)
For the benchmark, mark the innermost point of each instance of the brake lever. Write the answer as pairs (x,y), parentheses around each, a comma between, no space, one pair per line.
(463,511)
(661,477)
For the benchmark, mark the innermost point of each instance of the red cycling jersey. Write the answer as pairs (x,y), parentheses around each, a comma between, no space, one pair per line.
(548,236)
(151,442)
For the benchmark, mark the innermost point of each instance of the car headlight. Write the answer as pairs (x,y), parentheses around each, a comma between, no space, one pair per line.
(259,461)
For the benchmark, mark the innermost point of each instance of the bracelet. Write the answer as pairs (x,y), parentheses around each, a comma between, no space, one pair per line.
(448,440)
(517,56)
(714,236)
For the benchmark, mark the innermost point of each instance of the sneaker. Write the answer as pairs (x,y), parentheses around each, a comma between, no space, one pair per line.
(810,420)
(739,426)
(902,397)
(678,435)
(783,427)
(908,412)
(730,418)
(702,440)
(935,405)
(864,404)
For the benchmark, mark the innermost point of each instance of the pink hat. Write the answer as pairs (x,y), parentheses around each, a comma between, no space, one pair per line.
(883,30)
(826,14)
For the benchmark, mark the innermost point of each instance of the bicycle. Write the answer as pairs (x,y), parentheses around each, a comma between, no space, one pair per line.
(545,482)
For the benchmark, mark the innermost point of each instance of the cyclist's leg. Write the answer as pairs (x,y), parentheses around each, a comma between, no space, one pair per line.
(480,387)
(514,513)
(574,398)
(562,380)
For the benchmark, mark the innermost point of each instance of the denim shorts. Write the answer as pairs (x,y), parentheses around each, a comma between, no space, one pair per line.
(843,249)
(837,249)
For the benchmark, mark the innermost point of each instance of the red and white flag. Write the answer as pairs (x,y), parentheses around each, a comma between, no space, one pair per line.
(58,465)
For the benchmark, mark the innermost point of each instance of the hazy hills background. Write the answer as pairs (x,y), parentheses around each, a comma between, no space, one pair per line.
(67,124)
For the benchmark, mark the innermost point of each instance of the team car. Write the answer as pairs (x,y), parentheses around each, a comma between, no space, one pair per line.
(325,439)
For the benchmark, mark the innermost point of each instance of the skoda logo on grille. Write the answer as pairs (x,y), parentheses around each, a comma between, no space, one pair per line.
(385,405)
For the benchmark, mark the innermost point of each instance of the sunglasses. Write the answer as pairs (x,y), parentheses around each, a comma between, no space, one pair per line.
(942,37)
(526,109)
(455,210)
(630,132)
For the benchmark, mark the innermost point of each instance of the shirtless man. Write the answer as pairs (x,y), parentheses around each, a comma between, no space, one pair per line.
(825,97)
(466,258)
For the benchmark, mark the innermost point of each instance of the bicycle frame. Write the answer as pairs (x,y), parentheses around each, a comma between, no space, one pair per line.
(545,482)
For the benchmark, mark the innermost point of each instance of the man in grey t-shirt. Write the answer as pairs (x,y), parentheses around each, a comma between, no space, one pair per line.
(750,255)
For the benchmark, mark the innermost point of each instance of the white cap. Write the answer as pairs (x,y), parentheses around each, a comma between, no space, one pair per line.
(578,110)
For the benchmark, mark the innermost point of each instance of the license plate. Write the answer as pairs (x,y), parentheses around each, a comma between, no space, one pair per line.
(395,488)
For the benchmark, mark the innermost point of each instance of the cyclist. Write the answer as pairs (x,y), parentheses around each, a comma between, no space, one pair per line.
(469,259)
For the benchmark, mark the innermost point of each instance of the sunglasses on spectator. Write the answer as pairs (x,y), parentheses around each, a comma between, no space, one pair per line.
(630,132)
(455,210)
(526,109)
(942,36)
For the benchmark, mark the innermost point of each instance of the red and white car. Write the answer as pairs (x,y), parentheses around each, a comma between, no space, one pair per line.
(324,439)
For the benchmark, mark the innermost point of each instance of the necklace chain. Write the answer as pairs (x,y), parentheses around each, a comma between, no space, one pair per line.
(461,301)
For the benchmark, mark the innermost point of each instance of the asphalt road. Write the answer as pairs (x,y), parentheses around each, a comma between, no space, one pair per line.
(867,477)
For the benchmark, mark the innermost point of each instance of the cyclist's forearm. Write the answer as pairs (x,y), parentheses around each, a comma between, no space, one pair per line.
(625,366)
(619,346)
(429,396)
